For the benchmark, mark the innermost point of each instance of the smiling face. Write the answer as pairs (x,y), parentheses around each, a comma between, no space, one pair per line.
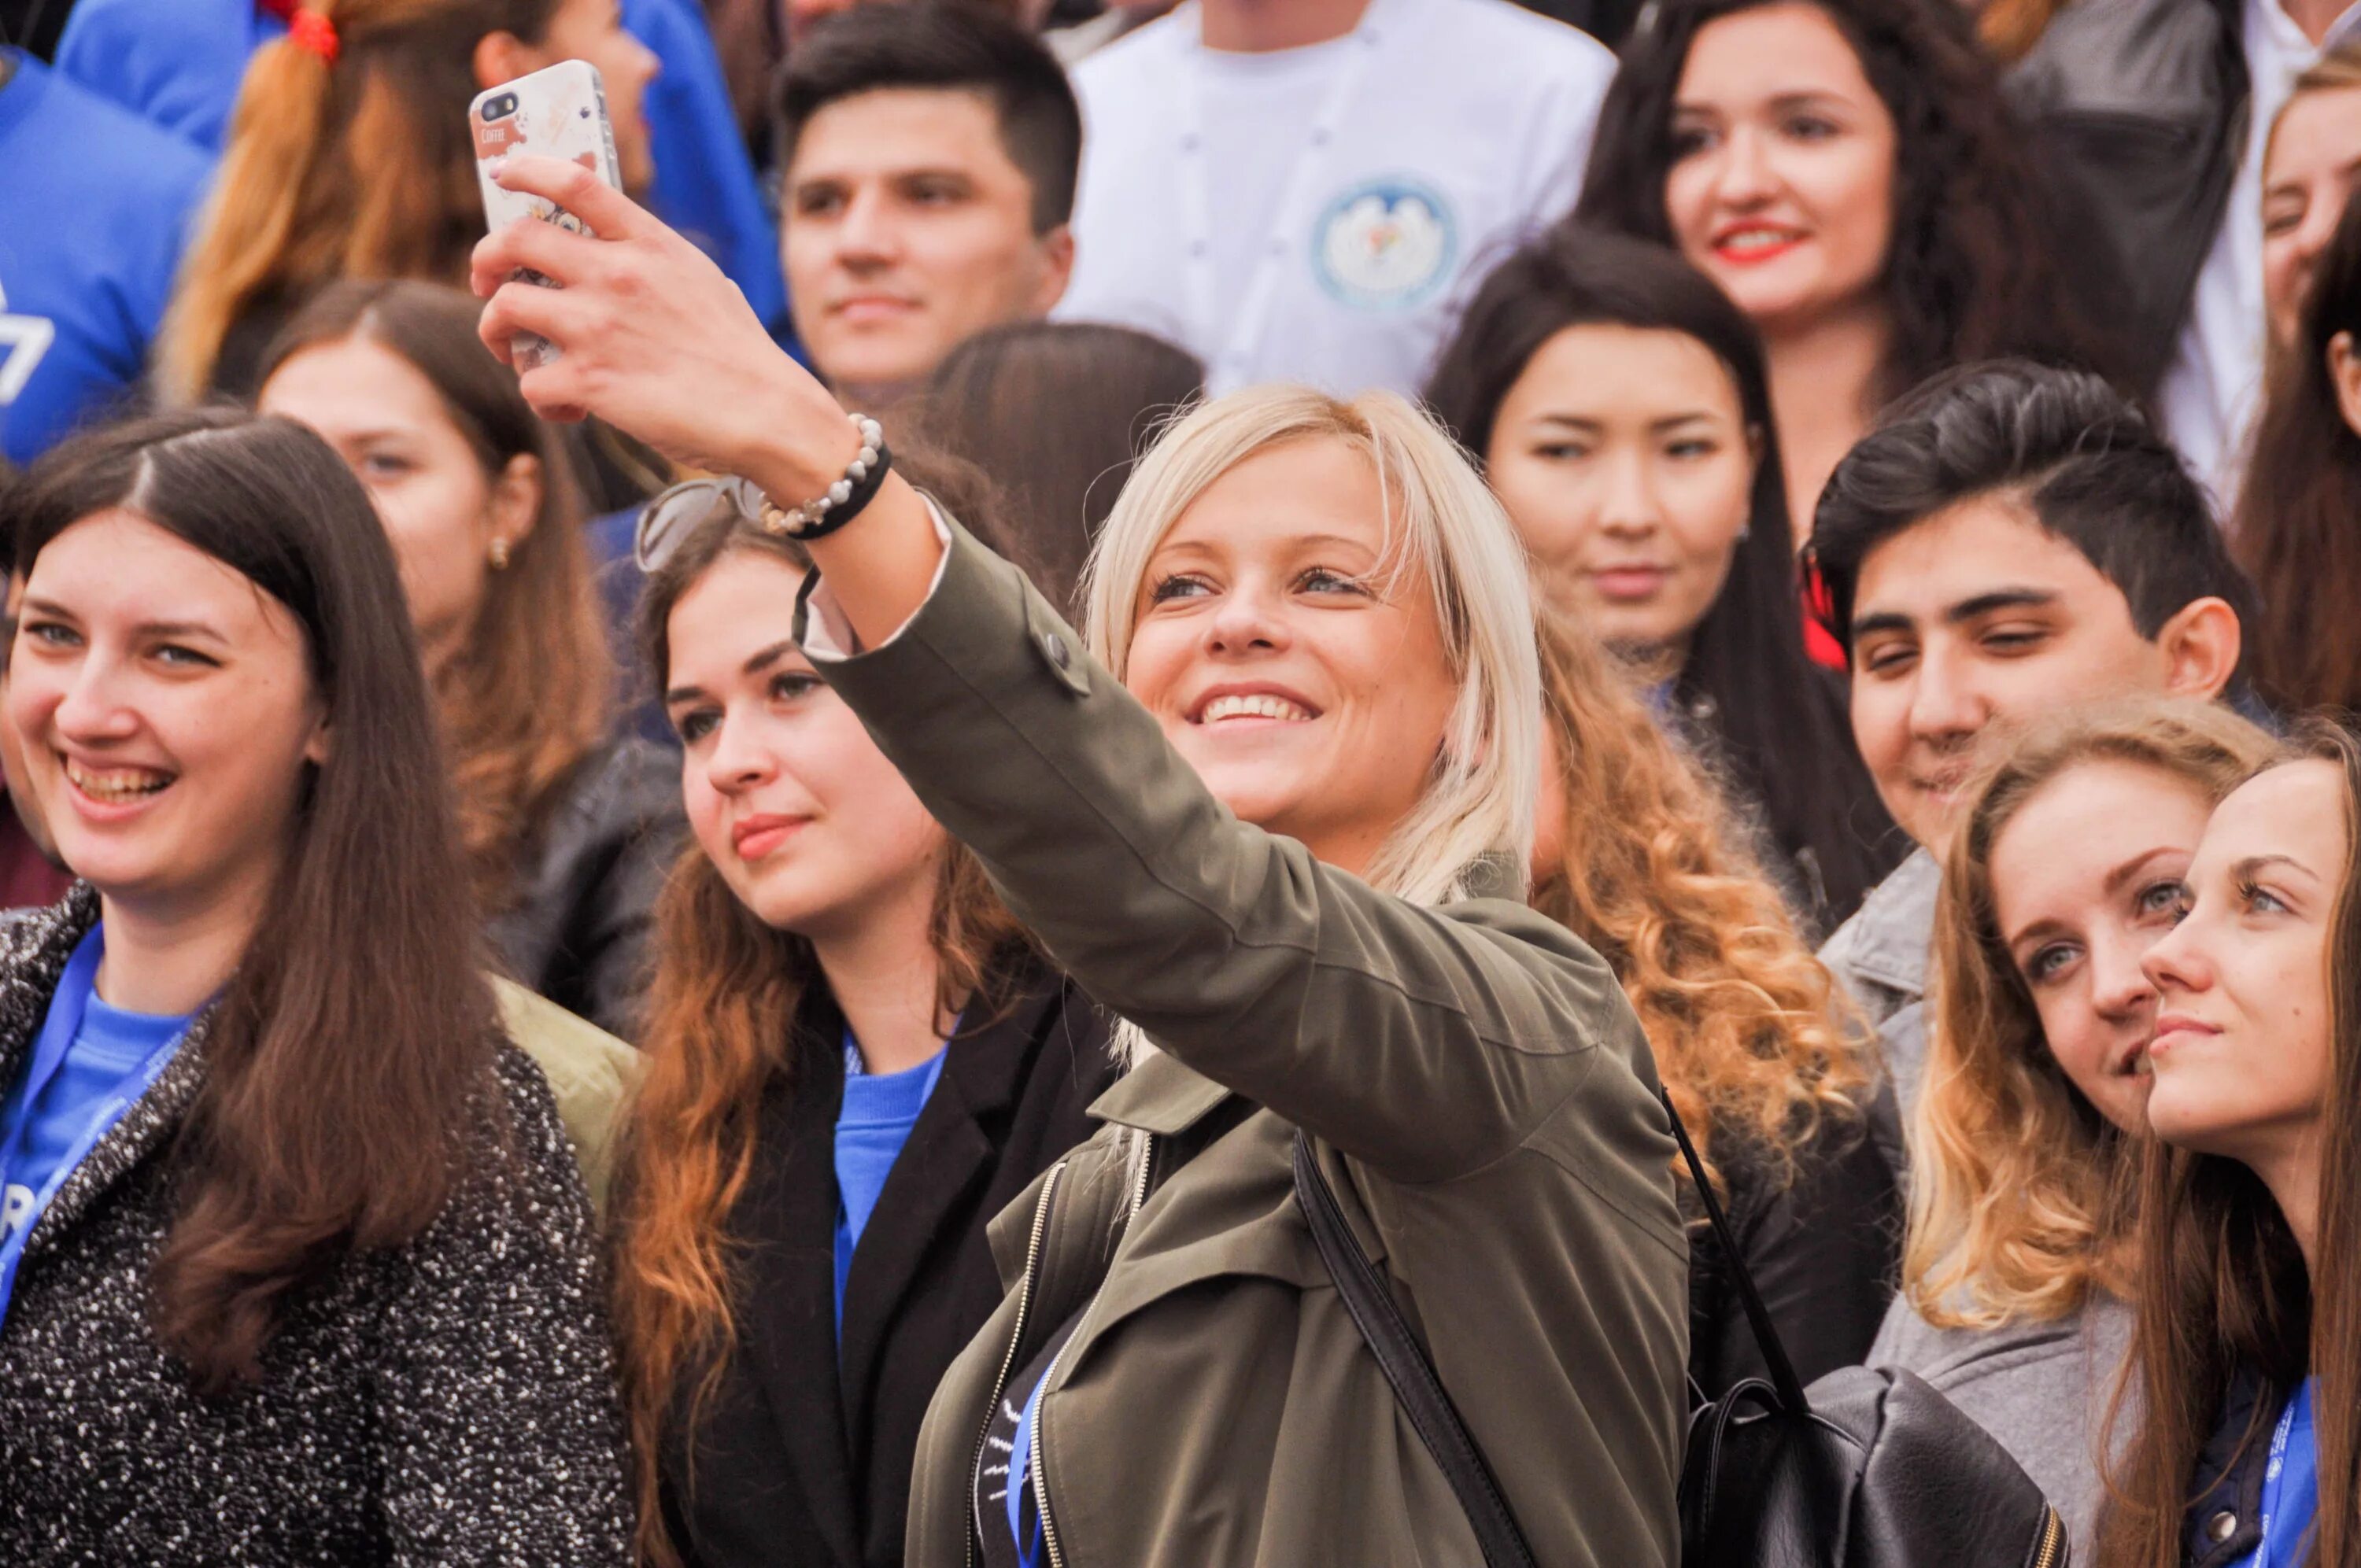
(1979,613)
(167,713)
(2241,1056)
(2315,154)
(808,824)
(1622,457)
(909,230)
(441,511)
(1781,188)
(1304,679)
(2086,877)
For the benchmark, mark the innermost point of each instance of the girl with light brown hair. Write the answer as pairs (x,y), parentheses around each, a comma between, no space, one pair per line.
(568,822)
(2066,869)
(350,155)
(1639,855)
(855,1053)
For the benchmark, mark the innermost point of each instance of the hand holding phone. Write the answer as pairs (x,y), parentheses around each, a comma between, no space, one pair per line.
(557,113)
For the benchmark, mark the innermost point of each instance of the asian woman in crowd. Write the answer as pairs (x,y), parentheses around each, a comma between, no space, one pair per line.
(2020,1265)
(1619,403)
(569,824)
(2248,1341)
(1056,413)
(350,155)
(1847,173)
(857,1059)
(297,1267)
(1638,856)
(1275,816)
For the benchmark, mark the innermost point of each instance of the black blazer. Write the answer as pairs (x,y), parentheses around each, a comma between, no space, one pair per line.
(803,1454)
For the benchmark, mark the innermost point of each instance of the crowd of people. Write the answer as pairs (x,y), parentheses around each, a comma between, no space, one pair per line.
(745,942)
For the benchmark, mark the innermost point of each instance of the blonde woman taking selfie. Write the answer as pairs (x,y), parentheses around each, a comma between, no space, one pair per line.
(1274,816)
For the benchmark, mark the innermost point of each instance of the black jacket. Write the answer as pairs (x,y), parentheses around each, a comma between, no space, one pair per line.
(1823,1250)
(801,1463)
(449,1402)
(2138,113)
(578,930)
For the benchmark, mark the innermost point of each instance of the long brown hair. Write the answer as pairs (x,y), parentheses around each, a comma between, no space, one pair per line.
(2225,1288)
(1651,870)
(533,690)
(2294,531)
(720,1036)
(343,1056)
(2020,1191)
(358,168)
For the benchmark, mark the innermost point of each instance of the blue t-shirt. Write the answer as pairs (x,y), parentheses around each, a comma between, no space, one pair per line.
(95,206)
(88,1060)
(2290,1486)
(871,1125)
(179,63)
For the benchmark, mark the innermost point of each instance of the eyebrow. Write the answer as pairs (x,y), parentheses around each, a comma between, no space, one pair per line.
(171,629)
(2116,880)
(1967,609)
(2045,927)
(2246,868)
(1584,422)
(756,662)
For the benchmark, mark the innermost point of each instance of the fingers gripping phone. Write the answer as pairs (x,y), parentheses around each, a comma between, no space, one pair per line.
(557,113)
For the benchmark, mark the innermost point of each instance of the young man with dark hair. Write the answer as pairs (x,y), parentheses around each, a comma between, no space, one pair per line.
(2010,539)
(930,153)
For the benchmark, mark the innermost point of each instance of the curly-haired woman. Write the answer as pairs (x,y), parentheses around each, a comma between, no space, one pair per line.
(2018,1264)
(1638,856)
(1849,174)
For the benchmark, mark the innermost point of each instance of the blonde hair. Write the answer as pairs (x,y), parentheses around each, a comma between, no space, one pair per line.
(2338,70)
(1441,522)
(2019,1191)
(362,166)
(1653,869)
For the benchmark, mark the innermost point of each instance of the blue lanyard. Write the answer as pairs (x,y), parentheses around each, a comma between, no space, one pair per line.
(2290,1484)
(67,1006)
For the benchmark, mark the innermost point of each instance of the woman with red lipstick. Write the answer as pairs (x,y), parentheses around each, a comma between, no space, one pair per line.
(1275,813)
(855,1059)
(1620,404)
(2248,1344)
(2019,1264)
(1846,171)
(295,1263)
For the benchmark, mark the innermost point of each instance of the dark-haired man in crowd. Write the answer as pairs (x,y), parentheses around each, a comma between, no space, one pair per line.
(930,153)
(2010,539)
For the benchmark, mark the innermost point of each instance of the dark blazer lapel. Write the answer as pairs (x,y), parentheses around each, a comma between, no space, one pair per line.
(932,1182)
(786,1221)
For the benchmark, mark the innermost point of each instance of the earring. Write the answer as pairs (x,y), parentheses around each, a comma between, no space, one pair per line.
(500,553)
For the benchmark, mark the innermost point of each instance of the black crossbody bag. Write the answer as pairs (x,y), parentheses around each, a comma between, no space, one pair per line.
(1870,1469)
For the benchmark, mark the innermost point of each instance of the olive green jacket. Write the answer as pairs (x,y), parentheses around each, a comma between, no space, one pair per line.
(1480,1092)
(591,1076)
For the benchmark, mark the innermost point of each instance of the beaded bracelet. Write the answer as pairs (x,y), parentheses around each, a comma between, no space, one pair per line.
(863,478)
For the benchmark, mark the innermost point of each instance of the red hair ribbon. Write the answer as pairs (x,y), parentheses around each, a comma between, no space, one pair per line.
(311,32)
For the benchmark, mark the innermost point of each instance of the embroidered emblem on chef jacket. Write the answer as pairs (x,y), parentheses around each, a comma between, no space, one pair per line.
(1386,244)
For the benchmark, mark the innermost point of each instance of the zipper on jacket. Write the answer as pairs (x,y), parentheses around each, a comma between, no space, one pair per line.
(1008,1360)
(2053,1535)
(1139,1182)
(1040,1474)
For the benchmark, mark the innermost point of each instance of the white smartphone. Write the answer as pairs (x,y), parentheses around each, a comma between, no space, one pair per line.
(557,113)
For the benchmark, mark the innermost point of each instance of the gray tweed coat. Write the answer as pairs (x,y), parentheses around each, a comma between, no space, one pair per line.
(451,1401)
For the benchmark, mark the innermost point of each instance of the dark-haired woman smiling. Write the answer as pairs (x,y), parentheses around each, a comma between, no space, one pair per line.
(297,1267)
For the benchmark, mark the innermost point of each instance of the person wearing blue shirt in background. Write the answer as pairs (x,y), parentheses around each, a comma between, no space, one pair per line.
(93,205)
(179,63)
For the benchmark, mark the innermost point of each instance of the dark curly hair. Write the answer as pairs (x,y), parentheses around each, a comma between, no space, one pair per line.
(1973,272)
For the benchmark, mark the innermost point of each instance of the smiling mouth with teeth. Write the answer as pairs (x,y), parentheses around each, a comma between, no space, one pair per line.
(1255,704)
(117,786)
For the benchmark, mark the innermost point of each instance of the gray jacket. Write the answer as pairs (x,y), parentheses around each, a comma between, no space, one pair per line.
(1880,957)
(2042,1389)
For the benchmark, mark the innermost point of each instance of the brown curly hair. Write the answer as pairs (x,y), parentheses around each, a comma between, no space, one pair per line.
(2020,1191)
(1642,858)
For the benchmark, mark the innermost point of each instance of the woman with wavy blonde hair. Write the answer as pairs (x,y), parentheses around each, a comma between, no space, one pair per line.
(1282,829)
(1640,856)
(2066,868)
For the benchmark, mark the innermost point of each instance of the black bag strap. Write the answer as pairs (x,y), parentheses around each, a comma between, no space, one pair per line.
(1405,1364)
(1784,1381)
